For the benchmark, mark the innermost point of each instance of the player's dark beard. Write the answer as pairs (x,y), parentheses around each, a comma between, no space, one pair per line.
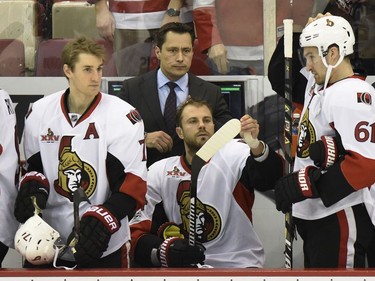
(195,145)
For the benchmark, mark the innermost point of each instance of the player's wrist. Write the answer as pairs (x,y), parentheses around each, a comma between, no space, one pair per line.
(260,152)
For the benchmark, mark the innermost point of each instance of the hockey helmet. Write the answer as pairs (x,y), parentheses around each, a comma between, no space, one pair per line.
(326,31)
(37,241)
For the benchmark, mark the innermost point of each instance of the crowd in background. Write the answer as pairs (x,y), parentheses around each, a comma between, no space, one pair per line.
(229,33)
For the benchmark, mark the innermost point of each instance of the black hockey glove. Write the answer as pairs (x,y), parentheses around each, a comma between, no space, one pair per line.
(31,184)
(96,227)
(296,187)
(176,252)
(326,151)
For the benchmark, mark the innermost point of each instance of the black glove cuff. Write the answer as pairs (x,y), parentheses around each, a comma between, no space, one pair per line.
(163,250)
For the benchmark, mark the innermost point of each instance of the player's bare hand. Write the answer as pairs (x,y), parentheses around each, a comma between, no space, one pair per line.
(249,132)
(159,140)
(249,125)
(218,54)
(105,22)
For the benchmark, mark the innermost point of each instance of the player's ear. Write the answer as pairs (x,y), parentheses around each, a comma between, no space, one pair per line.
(334,52)
(67,70)
(180,133)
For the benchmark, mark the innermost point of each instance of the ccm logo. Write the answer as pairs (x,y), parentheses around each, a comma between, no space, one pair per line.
(107,217)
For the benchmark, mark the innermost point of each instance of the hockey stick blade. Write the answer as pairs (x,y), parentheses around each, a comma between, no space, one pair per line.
(219,139)
(226,133)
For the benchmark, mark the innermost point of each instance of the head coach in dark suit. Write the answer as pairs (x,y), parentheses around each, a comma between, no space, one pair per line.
(150,92)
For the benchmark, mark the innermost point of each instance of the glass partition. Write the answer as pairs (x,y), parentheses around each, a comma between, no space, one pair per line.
(234,37)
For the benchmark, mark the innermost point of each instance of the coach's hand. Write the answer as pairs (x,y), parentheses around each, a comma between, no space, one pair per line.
(296,187)
(32,184)
(326,151)
(159,140)
(176,252)
(96,227)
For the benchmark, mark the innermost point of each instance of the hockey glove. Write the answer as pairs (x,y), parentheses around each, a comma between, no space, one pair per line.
(96,227)
(296,187)
(326,151)
(176,252)
(31,184)
(168,230)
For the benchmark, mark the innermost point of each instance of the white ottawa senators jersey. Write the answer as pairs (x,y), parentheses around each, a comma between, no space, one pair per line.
(346,106)
(73,155)
(9,160)
(224,203)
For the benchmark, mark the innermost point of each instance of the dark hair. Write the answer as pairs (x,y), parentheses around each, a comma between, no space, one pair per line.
(193,102)
(176,27)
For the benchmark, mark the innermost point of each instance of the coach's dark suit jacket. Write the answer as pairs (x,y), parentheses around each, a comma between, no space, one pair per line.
(142,93)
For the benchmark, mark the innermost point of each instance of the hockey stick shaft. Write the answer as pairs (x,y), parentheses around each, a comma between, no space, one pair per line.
(227,132)
(288,54)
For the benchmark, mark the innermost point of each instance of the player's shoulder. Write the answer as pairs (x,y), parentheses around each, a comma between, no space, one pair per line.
(6,107)
(4,94)
(114,109)
(164,165)
(347,90)
(115,102)
(354,83)
(49,100)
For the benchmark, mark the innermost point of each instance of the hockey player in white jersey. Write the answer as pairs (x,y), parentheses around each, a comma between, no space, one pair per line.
(9,167)
(225,193)
(82,138)
(335,160)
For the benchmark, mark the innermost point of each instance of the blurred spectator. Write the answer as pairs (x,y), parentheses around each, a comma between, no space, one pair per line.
(231,31)
(132,24)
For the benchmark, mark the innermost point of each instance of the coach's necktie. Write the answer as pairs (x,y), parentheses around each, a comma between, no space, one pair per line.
(170,109)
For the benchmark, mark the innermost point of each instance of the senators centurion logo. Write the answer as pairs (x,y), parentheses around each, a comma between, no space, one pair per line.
(73,172)
(306,136)
(207,221)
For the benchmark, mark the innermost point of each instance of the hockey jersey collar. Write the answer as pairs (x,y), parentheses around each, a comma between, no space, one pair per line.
(86,114)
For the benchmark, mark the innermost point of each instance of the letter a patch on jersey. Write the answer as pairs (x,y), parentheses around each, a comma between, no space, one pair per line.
(134,116)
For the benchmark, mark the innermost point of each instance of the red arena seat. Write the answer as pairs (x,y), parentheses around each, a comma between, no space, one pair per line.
(12,57)
(48,58)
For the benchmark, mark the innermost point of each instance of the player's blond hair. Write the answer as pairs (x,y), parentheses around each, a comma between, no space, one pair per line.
(81,45)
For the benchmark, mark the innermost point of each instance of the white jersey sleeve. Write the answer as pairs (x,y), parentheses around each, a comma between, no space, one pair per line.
(9,160)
